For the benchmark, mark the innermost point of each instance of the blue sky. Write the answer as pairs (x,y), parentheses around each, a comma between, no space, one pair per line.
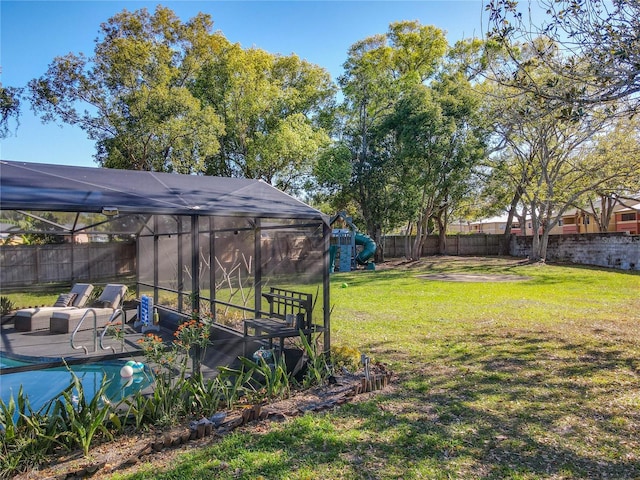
(34,32)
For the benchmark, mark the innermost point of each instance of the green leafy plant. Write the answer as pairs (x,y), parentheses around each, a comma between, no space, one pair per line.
(82,417)
(318,369)
(156,352)
(169,401)
(95,293)
(175,395)
(204,396)
(6,305)
(27,437)
(116,331)
(273,380)
(192,337)
(232,384)
(137,408)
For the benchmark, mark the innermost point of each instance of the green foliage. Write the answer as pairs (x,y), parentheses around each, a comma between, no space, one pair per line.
(84,418)
(274,110)
(602,65)
(333,173)
(233,384)
(137,83)
(71,419)
(6,305)
(192,338)
(29,437)
(9,108)
(26,436)
(177,97)
(318,369)
(410,126)
(552,159)
(167,405)
(45,222)
(137,408)
(343,356)
(204,396)
(273,380)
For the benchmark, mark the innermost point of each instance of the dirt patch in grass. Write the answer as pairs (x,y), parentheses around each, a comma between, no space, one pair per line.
(473,277)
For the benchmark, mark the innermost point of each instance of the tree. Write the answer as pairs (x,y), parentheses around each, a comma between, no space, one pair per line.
(274,111)
(9,108)
(599,40)
(438,147)
(550,151)
(378,69)
(133,97)
(39,229)
(368,88)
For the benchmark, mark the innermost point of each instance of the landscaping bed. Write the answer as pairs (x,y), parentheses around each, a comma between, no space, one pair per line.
(125,453)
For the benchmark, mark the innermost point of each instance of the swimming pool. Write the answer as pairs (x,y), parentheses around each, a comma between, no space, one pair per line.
(40,386)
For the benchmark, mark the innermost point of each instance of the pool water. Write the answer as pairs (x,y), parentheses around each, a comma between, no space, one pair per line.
(10,362)
(40,386)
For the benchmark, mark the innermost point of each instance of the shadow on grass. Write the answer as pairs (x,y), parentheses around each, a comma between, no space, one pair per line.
(528,406)
(490,406)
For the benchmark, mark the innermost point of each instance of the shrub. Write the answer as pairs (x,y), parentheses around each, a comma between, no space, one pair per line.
(6,305)
(345,357)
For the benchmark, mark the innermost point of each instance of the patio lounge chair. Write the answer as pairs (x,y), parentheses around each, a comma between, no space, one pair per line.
(28,319)
(67,320)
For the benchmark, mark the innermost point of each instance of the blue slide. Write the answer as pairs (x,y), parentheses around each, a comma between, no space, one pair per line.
(369,248)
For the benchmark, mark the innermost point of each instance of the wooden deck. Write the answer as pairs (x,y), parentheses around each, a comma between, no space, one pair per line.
(46,349)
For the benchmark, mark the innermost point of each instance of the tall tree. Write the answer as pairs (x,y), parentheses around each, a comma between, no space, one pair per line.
(133,96)
(620,141)
(378,69)
(438,146)
(274,109)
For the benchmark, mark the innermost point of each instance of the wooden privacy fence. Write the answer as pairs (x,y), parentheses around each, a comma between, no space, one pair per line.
(477,244)
(25,265)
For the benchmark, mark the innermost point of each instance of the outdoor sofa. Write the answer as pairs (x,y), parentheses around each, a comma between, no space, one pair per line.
(29,319)
(104,307)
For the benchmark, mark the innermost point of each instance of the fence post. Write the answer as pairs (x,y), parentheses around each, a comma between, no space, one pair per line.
(37,263)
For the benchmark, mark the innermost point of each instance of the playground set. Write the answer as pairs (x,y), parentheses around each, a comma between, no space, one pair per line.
(349,248)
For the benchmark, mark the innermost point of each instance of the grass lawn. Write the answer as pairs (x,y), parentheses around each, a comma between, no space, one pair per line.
(523,380)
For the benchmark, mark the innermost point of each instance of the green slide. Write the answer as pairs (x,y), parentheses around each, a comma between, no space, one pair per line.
(369,248)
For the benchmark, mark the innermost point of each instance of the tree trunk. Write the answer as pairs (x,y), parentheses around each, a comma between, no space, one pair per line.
(378,238)
(607,203)
(416,248)
(534,256)
(504,245)
(544,242)
(407,241)
(442,234)
(535,243)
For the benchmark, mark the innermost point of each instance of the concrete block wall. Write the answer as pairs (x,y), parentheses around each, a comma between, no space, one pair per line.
(612,250)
